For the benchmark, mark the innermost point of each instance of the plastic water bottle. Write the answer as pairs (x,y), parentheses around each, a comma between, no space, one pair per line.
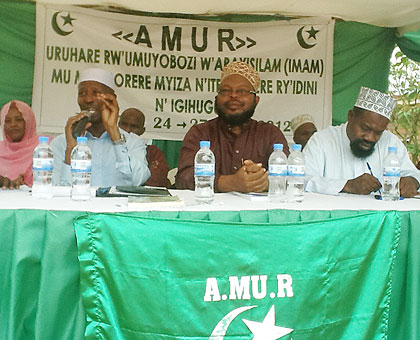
(392,175)
(277,172)
(295,174)
(204,164)
(42,167)
(81,169)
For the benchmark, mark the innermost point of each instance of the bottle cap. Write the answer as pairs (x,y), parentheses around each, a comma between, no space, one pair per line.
(278,146)
(81,140)
(204,144)
(43,139)
(297,147)
(392,149)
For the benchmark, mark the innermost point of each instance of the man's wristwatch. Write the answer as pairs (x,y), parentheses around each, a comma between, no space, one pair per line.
(120,141)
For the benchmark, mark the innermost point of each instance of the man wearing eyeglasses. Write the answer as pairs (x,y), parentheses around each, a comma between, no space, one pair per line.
(241,145)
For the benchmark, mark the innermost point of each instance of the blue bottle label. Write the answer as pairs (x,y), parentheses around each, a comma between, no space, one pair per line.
(78,165)
(392,171)
(277,170)
(204,170)
(296,170)
(42,164)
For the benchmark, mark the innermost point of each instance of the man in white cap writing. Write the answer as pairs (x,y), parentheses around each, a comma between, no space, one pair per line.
(349,158)
(118,157)
(240,144)
(303,127)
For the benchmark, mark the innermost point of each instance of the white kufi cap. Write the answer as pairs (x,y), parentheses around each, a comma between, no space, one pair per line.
(375,101)
(99,75)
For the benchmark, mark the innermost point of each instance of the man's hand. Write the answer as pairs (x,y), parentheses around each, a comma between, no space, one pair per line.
(362,185)
(408,187)
(109,114)
(70,141)
(18,181)
(7,183)
(251,177)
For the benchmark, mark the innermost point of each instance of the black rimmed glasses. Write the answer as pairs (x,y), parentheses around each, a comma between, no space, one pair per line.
(238,92)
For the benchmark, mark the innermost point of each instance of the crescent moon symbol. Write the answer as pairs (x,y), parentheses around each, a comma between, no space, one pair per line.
(301,41)
(220,330)
(55,27)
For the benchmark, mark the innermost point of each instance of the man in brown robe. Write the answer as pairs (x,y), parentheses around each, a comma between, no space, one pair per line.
(241,145)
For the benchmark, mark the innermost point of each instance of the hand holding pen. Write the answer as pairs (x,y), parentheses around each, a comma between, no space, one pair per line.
(362,185)
(370,170)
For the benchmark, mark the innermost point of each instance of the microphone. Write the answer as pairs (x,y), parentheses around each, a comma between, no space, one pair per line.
(80,125)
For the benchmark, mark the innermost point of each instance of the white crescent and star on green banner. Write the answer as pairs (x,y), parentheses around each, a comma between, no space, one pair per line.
(265,330)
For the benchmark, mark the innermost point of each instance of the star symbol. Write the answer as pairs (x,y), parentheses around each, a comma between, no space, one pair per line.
(267,330)
(312,32)
(68,19)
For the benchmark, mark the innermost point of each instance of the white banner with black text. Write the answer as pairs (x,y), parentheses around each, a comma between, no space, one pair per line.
(170,68)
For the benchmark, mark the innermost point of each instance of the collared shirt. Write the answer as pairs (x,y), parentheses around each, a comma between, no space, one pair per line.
(330,162)
(255,142)
(111,164)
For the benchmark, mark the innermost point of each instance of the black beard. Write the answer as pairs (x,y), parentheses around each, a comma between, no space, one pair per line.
(358,152)
(237,118)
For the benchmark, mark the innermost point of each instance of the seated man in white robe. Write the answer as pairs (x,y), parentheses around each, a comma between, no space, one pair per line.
(350,157)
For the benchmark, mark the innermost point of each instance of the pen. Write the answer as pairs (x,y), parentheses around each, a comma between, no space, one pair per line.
(379,197)
(370,170)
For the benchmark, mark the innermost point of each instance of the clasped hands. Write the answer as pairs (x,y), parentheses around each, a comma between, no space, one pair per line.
(7,183)
(251,177)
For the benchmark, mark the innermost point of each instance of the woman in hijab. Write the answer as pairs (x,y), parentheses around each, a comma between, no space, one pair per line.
(19,141)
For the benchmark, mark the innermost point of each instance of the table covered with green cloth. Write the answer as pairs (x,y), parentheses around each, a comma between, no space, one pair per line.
(41,295)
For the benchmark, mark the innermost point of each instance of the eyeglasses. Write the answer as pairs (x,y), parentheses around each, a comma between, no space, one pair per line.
(239,92)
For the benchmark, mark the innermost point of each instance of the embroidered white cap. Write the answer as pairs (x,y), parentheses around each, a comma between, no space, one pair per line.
(243,69)
(300,120)
(375,101)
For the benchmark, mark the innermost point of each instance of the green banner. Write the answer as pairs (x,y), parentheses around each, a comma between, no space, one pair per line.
(156,278)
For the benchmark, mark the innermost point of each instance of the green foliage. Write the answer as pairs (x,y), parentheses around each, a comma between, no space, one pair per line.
(404,85)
